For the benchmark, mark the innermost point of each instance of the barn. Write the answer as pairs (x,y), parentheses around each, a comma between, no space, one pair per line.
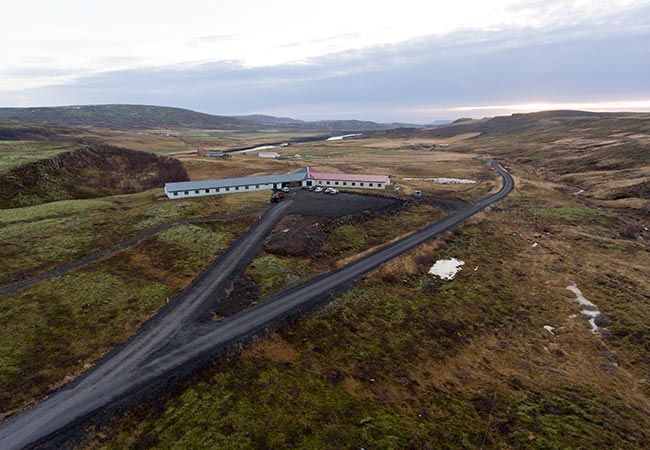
(303,177)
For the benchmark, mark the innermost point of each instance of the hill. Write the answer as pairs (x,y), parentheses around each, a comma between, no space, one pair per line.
(604,155)
(89,172)
(163,117)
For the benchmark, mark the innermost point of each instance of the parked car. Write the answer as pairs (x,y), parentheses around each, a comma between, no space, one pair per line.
(318,189)
(275,198)
(310,188)
(328,191)
(334,191)
(285,189)
(280,194)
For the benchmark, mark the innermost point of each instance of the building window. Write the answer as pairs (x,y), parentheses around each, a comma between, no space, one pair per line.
(237,188)
(328,182)
(360,184)
(257,186)
(207,191)
(217,189)
(345,183)
(175,194)
(227,189)
(336,183)
(196,192)
(187,192)
(370,184)
(248,187)
(354,184)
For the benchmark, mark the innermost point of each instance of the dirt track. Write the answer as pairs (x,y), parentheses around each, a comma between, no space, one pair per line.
(178,340)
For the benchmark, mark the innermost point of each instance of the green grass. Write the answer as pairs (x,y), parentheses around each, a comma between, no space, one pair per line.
(334,380)
(400,361)
(15,153)
(40,237)
(273,273)
(574,215)
(54,328)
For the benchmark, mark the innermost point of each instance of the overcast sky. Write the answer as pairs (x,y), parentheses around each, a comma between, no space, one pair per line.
(407,60)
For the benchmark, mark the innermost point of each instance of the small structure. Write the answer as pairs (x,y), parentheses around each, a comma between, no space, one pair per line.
(272,155)
(211,153)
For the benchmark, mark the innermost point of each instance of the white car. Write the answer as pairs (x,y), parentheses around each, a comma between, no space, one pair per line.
(318,189)
(333,191)
(328,191)
(285,189)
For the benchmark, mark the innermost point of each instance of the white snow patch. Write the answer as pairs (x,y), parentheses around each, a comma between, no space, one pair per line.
(549,329)
(446,268)
(338,138)
(581,191)
(285,230)
(586,307)
(442,180)
(535,244)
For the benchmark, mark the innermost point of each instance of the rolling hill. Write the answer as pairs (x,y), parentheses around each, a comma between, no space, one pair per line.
(163,117)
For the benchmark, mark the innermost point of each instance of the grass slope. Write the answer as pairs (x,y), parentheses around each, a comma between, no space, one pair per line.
(93,171)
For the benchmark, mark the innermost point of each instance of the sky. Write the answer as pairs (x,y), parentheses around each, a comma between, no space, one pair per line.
(407,61)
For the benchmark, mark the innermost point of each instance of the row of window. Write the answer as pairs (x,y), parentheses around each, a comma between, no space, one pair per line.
(216,190)
(345,183)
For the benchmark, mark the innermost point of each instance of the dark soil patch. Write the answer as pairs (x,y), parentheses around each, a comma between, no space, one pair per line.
(243,293)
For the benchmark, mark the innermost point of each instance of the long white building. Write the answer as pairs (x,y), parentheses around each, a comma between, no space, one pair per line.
(303,177)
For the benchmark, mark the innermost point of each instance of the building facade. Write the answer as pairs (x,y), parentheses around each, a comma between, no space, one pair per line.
(344,180)
(303,177)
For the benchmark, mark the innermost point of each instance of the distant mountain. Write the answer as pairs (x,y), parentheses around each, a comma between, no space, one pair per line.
(163,117)
(437,123)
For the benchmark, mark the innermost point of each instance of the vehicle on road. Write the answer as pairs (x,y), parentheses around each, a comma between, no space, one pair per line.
(275,198)
(318,189)
(328,191)
(333,191)
(285,189)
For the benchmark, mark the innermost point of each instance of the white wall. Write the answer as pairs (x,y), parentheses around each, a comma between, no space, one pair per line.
(220,191)
(339,184)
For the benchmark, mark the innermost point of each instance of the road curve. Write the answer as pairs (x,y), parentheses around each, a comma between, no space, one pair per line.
(155,356)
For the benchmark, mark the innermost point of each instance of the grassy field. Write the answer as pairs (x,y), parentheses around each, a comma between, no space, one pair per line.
(406,360)
(499,355)
(52,331)
(15,153)
(40,237)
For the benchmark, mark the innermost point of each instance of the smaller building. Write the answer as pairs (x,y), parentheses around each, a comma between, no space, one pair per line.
(345,180)
(271,155)
(211,153)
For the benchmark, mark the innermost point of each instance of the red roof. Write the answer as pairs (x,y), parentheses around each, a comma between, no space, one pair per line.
(347,177)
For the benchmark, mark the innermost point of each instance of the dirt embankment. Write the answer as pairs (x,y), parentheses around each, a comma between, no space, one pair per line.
(94,171)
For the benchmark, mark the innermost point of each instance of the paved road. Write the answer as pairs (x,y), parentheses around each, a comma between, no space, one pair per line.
(94,257)
(161,350)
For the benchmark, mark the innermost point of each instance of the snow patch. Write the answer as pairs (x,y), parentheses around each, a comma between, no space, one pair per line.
(339,138)
(549,329)
(535,244)
(587,308)
(442,180)
(581,191)
(446,268)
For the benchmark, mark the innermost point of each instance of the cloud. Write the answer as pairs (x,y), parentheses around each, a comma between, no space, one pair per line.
(600,60)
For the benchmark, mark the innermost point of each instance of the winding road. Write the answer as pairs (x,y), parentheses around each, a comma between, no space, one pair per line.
(178,340)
